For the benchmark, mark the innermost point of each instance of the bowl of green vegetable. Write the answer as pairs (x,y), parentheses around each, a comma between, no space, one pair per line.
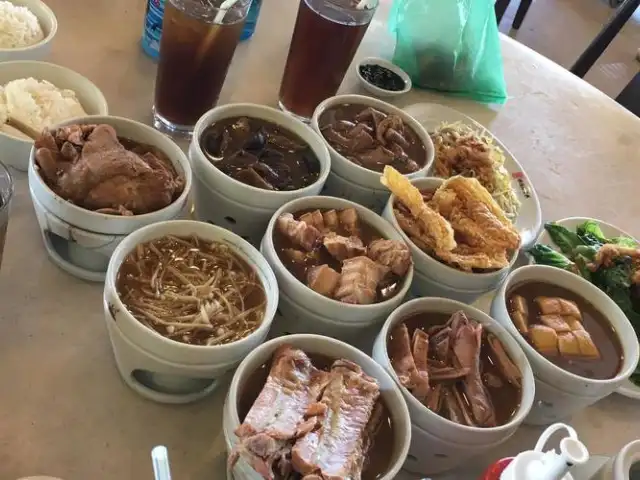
(603,254)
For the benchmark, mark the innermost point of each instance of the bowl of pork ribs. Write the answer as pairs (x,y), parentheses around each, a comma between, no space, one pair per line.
(309,406)
(93,180)
(364,135)
(340,267)
(467,383)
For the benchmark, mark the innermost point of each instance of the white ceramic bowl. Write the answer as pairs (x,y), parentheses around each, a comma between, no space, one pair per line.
(49,25)
(328,347)
(16,150)
(334,311)
(369,180)
(544,369)
(381,92)
(241,208)
(159,355)
(443,432)
(437,272)
(628,388)
(619,466)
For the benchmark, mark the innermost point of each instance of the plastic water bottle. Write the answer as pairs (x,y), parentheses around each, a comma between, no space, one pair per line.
(252,19)
(153,28)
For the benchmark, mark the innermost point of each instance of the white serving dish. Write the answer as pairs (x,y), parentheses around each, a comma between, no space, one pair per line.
(619,467)
(346,170)
(158,352)
(441,433)
(49,25)
(628,389)
(449,279)
(16,151)
(544,369)
(335,313)
(92,236)
(233,205)
(381,92)
(529,221)
(328,347)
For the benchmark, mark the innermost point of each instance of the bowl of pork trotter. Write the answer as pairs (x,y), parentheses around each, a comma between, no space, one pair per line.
(314,407)
(364,135)
(467,383)
(341,268)
(93,180)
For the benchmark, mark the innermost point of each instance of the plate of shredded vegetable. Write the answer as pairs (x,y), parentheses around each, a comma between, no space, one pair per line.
(603,254)
(465,147)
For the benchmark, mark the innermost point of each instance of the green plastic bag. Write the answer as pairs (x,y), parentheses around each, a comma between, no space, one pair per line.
(452,46)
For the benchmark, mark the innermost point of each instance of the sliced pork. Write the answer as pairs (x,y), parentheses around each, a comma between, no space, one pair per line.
(359,281)
(392,254)
(301,233)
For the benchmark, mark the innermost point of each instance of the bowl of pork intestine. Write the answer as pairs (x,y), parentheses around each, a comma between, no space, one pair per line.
(457,363)
(343,252)
(345,416)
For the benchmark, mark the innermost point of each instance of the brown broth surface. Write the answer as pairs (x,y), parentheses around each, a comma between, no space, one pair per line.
(380,454)
(416,150)
(602,332)
(506,399)
(386,289)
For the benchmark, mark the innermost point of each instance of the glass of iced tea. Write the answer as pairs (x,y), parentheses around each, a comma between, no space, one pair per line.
(6,195)
(199,38)
(325,39)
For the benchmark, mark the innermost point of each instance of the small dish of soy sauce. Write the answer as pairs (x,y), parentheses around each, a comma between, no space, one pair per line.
(382,78)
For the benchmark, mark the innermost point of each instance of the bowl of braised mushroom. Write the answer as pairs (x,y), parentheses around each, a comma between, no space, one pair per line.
(338,260)
(467,383)
(364,135)
(95,179)
(251,159)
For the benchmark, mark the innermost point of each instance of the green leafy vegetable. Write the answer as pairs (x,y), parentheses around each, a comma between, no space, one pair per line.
(545,255)
(591,228)
(623,241)
(587,251)
(564,238)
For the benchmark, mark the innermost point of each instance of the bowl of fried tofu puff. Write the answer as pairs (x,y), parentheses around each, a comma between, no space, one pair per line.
(341,268)
(579,342)
(314,407)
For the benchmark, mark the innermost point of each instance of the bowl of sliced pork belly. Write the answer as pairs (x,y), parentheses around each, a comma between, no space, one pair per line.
(312,406)
(467,383)
(338,262)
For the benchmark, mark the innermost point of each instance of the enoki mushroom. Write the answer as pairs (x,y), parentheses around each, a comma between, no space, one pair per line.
(192,290)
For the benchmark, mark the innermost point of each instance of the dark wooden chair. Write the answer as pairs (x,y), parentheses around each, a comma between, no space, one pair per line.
(523,8)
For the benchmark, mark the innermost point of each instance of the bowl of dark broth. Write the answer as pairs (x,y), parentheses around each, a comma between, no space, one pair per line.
(466,381)
(250,160)
(364,135)
(338,259)
(575,336)
(189,294)
(364,429)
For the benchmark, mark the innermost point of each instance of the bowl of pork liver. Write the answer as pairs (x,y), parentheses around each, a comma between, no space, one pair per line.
(368,414)
(298,248)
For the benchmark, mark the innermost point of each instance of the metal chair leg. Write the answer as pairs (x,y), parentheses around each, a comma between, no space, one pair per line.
(523,8)
(500,8)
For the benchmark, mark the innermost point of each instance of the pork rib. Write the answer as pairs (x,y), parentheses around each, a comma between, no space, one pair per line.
(334,450)
(277,417)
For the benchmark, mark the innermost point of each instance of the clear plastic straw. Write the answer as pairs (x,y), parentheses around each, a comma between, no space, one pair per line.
(160,459)
(213,31)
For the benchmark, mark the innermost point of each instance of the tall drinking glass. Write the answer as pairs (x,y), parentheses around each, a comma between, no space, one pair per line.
(6,195)
(325,39)
(199,38)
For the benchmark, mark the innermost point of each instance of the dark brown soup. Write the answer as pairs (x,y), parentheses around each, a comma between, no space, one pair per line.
(342,244)
(192,290)
(468,383)
(566,329)
(260,153)
(372,139)
(380,453)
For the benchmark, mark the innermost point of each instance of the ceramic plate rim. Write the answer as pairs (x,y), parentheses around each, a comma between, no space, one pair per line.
(426,112)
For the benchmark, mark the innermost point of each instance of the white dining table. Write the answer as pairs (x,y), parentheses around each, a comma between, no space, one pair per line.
(64,410)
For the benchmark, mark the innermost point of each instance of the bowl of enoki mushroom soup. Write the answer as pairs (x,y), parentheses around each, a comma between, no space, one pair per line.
(185,302)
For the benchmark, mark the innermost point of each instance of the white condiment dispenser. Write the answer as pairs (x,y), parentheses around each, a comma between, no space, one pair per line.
(537,464)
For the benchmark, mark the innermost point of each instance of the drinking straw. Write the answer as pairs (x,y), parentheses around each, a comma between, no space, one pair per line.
(160,459)
(211,34)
